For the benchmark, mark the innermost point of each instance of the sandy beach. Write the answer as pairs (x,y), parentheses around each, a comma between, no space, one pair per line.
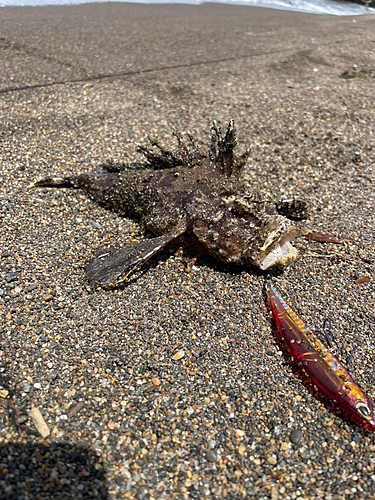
(230,419)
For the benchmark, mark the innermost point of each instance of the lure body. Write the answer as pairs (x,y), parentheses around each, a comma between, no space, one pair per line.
(318,366)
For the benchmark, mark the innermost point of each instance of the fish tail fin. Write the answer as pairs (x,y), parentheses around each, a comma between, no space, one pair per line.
(55,182)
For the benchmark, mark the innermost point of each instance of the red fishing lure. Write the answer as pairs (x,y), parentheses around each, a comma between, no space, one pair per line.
(318,366)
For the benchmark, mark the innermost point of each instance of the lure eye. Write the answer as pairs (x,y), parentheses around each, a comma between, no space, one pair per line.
(362,408)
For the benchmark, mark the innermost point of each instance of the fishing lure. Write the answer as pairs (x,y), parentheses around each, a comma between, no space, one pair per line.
(318,366)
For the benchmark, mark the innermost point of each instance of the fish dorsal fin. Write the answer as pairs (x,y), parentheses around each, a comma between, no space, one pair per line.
(222,150)
(162,158)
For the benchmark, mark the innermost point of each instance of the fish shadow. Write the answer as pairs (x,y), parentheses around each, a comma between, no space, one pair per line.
(202,261)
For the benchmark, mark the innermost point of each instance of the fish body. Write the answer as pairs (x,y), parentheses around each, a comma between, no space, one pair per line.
(317,366)
(194,199)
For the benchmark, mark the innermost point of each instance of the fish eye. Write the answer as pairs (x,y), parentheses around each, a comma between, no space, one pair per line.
(362,408)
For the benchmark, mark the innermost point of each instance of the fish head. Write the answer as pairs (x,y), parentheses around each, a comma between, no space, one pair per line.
(245,232)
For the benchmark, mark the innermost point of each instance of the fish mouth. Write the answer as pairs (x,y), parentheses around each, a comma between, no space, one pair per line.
(278,250)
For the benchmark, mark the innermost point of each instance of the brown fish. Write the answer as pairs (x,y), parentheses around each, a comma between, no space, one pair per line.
(193,199)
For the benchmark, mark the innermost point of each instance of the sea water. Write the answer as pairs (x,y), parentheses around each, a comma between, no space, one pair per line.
(332,7)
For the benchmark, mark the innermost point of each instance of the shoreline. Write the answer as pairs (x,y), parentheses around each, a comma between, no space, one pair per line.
(329,7)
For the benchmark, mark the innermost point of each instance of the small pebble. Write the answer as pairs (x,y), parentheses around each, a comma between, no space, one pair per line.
(74,409)
(9,277)
(39,422)
(22,419)
(272,460)
(52,376)
(296,436)
(178,355)
(26,386)
(48,297)
(211,456)
(241,449)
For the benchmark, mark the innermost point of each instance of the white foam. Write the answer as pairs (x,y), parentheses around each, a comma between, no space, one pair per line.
(343,8)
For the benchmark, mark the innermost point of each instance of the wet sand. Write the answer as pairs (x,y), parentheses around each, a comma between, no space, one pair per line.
(230,419)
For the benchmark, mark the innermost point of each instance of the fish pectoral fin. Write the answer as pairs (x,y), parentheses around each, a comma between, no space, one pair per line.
(110,270)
